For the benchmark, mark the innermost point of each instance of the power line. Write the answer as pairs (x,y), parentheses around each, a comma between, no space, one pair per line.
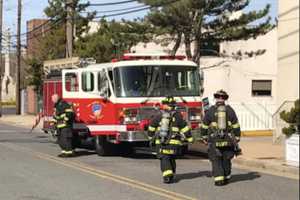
(57,22)
(113,3)
(34,29)
(116,10)
(123,13)
(136,10)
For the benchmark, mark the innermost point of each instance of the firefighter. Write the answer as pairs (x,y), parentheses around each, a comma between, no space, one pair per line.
(168,131)
(64,118)
(221,130)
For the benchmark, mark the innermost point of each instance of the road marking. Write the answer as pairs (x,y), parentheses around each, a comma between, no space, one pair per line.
(103,174)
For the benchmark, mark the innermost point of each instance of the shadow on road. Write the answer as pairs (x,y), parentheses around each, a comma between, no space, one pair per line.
(84,153)
(192,175)
(244,177)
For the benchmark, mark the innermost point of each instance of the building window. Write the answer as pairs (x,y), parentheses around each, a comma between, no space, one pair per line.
(209,48)
(261,87)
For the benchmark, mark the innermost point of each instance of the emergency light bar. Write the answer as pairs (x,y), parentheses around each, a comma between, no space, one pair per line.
(134,56)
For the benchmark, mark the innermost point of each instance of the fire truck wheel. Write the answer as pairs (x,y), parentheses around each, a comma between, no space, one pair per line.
(103,148)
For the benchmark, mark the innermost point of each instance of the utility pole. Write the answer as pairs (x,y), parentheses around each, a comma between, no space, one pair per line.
(69,29)
(18,99)
(1,66)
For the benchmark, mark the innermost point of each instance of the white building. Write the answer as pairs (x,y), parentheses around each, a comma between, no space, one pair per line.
(288,61)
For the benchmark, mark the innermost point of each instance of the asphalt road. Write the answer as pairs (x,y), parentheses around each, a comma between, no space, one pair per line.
(30,169)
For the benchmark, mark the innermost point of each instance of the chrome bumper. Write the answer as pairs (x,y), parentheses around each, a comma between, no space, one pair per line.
(133,136)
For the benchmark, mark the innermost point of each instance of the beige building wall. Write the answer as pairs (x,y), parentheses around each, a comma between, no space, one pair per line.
(288,51)
(235,76)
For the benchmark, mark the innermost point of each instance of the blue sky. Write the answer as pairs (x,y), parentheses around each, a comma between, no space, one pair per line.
(34,9)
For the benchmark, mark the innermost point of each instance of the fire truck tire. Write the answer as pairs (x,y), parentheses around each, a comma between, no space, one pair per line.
(102,147)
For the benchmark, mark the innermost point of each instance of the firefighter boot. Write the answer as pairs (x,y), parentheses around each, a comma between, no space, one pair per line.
(66,154)
(168,179)
(227,179)
(219,183)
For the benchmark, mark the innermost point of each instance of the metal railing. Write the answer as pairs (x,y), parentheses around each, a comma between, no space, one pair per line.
(278,122)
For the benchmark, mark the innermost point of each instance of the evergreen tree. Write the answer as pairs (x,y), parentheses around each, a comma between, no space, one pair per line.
(113,39)
(53,43)
(202,22)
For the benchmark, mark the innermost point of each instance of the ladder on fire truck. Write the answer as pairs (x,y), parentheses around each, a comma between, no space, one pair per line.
(66,63)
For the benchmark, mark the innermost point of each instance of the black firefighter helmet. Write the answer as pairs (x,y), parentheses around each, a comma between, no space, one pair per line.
(170,101)
(221,94)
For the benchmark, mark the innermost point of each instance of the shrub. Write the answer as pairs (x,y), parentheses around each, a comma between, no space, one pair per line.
(292,118)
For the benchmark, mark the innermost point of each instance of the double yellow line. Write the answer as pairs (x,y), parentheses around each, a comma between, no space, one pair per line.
(109,176)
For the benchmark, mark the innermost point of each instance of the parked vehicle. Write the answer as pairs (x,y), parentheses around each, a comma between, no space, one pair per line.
(115,101)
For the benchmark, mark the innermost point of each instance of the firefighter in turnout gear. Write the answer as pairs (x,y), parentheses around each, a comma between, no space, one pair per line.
(169,131)
(64,118)
(221,130)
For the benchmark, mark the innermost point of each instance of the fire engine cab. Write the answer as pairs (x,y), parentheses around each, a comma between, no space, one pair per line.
(115,101)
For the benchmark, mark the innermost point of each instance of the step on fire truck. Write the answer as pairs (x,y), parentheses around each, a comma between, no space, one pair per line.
(115,101)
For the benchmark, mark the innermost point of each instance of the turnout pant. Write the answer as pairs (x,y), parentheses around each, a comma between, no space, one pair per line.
(167,165)
(221,162)
(65,137)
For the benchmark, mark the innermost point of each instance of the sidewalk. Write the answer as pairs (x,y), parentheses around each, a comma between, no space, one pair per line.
(259,153)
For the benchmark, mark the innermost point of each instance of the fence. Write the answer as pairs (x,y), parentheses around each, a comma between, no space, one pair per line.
(254,116)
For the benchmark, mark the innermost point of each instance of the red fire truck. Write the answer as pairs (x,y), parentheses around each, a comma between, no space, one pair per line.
(115,101)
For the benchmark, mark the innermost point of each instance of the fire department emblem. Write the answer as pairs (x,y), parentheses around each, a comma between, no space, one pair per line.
(96,108)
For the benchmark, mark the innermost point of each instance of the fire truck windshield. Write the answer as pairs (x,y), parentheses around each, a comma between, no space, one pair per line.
(155,81)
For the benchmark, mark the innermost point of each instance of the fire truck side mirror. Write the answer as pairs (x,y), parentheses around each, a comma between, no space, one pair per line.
(201,81)
(105,92)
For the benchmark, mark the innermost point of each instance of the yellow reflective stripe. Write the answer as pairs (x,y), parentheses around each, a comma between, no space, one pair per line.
(66,119)
(150,138)
(222,144)
(205,126)
(185,129)
(219,178)
(167,151)
(176,142)
(68,152)
(175,129)
(151,128)
(167,173)
(61,125)
(69,110)
(157,141)
(62,115)
(214,124)
(229,123)
(58,117)
(237,125)
(190,139)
